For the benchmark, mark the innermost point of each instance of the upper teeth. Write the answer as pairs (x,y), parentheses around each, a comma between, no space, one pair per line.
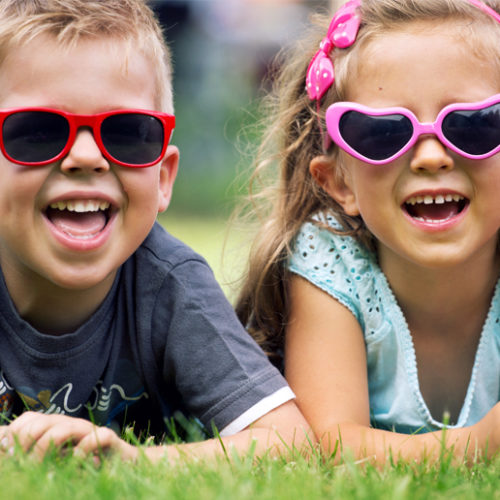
(81,205)
(438,199)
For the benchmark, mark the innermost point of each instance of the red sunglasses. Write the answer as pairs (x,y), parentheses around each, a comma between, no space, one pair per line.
(128,137)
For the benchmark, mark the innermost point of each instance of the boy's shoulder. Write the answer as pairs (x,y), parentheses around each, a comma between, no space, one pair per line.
(164,270)
(165,250)
(165,266)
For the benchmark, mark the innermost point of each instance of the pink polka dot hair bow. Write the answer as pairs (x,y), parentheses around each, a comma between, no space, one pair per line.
(341,33)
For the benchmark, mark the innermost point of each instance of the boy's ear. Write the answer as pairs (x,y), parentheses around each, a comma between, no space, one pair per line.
(321,169)
(168,172)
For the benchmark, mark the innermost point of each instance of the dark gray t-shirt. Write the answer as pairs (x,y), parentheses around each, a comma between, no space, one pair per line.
(164,340)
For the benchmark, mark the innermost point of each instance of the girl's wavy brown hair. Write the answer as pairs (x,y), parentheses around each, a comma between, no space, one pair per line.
(283,195)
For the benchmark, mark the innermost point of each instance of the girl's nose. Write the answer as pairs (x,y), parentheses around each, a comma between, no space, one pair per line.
(430,155)
(84,155)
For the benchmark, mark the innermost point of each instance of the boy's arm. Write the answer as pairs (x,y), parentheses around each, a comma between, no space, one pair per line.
(326,368)
(280,431)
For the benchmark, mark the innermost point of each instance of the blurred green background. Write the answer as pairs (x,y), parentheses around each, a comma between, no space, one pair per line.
(222,51)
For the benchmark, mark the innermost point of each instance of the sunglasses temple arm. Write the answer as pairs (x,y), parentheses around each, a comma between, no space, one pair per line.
(326,140)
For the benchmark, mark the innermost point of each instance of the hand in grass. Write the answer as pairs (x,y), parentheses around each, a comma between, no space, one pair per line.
(37,433)
(277,432)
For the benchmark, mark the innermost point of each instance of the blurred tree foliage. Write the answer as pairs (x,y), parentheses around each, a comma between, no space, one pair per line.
(221,52)
(213,94)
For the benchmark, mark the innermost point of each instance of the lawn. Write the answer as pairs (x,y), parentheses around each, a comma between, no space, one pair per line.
(69,478)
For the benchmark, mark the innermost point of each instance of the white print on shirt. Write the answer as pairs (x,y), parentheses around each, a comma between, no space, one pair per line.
(101,400)
(104,397)
(105,401)
(6,397)
(4,385)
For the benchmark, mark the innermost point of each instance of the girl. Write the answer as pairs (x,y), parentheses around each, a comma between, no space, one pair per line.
(376,273)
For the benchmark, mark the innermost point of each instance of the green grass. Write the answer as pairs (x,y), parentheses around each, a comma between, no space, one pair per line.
(278,479)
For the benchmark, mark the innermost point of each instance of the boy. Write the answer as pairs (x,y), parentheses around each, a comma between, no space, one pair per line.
(104,316)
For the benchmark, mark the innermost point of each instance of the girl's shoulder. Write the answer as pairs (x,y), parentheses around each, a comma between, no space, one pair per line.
(323,248)
(344,268)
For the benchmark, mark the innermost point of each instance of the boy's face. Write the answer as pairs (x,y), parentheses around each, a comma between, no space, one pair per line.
(60,246)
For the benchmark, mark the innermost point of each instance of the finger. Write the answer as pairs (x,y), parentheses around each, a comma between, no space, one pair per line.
(104,440)
(65,434)
(5,441)
(25,430)
(24,419)
(31,427)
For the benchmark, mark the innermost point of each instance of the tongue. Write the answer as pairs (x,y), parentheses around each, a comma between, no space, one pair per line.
(434,211)
(78,224)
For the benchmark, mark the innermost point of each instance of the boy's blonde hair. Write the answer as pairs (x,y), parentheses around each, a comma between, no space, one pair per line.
(283,194)
(69,21)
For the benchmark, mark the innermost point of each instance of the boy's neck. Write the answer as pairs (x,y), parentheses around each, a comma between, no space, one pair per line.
(54,310)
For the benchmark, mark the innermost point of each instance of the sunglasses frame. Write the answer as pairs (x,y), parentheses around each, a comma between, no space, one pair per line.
(335,112)
(94,122)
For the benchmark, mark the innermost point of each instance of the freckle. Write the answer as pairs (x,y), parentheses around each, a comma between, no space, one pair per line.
(380,89)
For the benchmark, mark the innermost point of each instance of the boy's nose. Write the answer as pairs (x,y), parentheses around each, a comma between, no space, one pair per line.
(84,155)
(429,154)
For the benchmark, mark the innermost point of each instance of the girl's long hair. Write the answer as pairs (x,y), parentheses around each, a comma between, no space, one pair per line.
(283,195)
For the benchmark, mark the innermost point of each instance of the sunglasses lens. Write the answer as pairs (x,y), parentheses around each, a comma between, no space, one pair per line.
(375,137)
(34,136)
(476,132)
(133,138)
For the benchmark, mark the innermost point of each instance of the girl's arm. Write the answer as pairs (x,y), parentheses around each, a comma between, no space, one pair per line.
(325,364)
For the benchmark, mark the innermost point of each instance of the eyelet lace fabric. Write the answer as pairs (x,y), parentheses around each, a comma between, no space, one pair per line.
(347,271)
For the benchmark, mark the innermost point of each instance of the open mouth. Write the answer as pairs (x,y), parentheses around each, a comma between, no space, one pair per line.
(435,208)
(80,219)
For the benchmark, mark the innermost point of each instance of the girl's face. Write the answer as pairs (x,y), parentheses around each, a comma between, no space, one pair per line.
(430,206)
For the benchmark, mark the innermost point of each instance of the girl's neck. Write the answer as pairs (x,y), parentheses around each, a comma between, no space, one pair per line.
(444,296)
(445,310)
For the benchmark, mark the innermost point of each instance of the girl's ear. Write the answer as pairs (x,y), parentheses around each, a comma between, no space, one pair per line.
(322,171)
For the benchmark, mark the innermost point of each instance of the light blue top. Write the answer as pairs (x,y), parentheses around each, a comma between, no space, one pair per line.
(347,271)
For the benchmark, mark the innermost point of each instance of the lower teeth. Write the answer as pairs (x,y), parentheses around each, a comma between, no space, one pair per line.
(432,221)
(81,236)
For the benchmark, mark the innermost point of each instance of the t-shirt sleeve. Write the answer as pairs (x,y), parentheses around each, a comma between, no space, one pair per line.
(337,264)
(342,267)
(221,374)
